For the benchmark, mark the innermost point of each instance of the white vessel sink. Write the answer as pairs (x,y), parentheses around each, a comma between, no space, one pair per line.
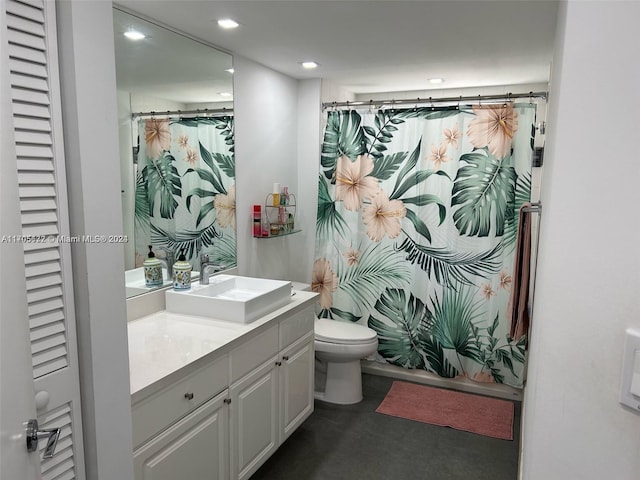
(231,298)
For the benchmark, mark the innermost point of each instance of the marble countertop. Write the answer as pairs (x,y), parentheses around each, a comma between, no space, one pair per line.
(162,343)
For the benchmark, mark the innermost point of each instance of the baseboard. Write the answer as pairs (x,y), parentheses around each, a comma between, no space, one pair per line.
(426,378)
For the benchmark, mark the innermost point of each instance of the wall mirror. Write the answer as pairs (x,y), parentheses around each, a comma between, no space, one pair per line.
(177,162)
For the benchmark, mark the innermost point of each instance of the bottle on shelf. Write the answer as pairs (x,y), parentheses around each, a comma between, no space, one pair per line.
(264,225)
(257,221)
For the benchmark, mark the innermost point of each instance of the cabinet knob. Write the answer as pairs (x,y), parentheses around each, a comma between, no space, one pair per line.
(188,396)
(227,401)
(285,357)
(278,363)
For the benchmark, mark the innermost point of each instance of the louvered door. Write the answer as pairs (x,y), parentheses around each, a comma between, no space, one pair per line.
(41,177)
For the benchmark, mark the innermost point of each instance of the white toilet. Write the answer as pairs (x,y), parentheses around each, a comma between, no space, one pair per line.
(340,346)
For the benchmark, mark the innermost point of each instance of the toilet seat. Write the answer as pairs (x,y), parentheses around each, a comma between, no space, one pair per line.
(342,333)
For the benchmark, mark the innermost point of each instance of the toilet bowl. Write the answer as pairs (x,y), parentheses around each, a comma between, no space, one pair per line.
(340,346)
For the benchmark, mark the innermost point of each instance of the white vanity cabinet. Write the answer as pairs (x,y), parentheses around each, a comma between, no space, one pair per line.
(185,427)
(224,419)
(275,396)
(296,385)
(197,446)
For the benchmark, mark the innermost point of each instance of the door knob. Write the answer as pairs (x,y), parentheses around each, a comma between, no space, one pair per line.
(33,434)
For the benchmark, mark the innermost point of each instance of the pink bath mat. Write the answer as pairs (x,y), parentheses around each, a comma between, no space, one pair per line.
(487,416)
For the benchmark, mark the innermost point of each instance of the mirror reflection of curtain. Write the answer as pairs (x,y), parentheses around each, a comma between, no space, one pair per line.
(185,188)
(416,229)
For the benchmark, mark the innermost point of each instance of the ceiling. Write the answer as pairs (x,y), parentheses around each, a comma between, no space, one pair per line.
(168,66)
(368,46)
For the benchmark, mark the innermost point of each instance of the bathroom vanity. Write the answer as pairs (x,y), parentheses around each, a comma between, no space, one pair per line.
(214,399)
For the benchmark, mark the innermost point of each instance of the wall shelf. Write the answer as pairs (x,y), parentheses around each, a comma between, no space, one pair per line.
(280,217)
(284,234)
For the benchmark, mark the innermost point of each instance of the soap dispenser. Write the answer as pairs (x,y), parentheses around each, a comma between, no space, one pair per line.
(181,273)
(152,270)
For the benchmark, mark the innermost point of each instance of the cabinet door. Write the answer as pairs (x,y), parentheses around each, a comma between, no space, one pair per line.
(296,384)
(254,419)
(195,447)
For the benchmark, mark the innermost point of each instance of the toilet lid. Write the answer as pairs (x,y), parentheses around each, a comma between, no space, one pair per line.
(332,331)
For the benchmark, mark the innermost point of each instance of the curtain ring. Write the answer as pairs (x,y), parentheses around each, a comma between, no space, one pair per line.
(431,103)
(480,101)
(415,108)
(459,100)
(530,98)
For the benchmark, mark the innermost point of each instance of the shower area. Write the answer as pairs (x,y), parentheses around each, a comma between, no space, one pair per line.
(182,186)
(185,186)
(426,233)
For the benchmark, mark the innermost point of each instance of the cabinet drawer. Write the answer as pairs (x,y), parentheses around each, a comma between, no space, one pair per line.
(253,353)
(153,414)
(296,326)
(195,447)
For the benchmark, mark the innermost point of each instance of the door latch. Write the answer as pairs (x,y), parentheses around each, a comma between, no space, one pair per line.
(33,434)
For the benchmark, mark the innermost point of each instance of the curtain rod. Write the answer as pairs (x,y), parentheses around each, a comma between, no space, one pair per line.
(479,98)
(168,113)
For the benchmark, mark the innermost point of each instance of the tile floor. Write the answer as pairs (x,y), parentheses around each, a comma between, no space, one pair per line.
(354,442)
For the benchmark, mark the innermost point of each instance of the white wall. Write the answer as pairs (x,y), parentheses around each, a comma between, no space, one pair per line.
(332,92)
(309,145)
(127,175)
(589,263)
(266,130)
(85,34)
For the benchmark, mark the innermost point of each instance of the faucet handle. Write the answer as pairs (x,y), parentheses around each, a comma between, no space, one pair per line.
(204,258)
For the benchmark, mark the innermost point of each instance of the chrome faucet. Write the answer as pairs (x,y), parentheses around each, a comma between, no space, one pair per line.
(205,266)
(169,259)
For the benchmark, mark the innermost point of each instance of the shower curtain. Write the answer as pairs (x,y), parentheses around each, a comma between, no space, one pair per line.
(185,189)
(417,217)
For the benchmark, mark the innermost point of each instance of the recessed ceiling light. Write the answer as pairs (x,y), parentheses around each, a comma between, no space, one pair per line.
(227,23)
(309,65)
(436,80)
(132,34)
(230,70)
(224,94)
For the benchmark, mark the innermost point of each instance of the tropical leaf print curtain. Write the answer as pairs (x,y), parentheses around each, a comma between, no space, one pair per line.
(185,188)
(416,229)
